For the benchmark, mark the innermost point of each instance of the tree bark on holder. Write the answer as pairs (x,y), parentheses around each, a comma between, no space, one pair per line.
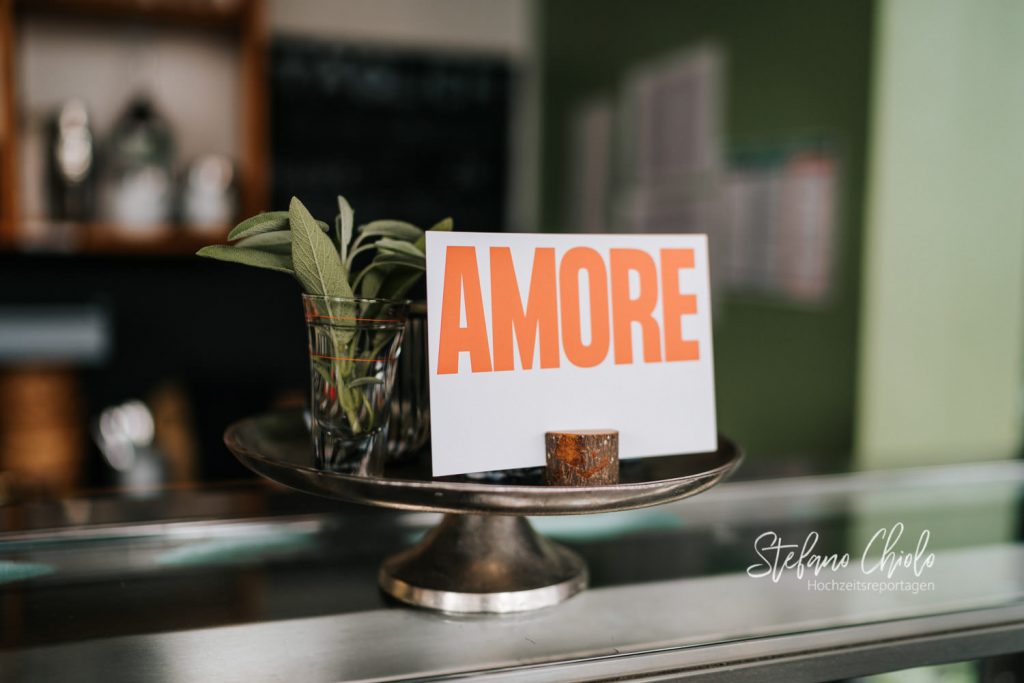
(586,457)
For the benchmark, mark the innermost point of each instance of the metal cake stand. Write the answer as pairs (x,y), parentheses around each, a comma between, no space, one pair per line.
(484,556)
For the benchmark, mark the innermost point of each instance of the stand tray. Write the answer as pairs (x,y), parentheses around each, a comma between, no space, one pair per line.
(484,556)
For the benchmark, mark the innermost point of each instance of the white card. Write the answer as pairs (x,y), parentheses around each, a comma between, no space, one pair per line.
(616,334)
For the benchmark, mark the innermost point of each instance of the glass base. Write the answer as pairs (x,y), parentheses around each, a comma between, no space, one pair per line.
(362,454)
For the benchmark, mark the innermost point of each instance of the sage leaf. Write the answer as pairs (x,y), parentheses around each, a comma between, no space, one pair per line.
(373,277)
(323,369)
(341,248)
(380,262)
(444,225)
(395,257)
(397,283)
(270,221)
(371,282)
(399,230)
(346,217)
(260,223)
(317,264)
(350,404)
(250,257)
(278,242)
(363,381)
(393,245)
(413,259)
(356,251)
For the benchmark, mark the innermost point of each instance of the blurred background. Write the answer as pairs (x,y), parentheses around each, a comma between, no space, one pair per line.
(858,165)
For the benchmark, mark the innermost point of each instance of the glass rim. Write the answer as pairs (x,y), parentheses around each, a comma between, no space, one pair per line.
(357,299)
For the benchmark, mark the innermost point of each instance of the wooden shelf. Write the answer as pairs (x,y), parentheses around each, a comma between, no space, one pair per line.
(172,239)
(224,14)
(100,238)
(245,19)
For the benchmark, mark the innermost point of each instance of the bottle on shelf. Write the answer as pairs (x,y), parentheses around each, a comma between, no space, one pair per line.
(139,192)
(71,167)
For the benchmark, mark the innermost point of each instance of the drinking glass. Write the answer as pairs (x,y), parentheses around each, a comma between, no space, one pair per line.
(354,346)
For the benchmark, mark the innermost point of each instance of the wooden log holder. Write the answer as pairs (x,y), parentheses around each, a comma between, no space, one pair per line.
(585,457)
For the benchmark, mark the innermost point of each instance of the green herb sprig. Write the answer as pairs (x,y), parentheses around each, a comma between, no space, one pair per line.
(393,253)
(381,259)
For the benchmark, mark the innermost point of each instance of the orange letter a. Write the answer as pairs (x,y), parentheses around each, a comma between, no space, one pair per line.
(462,284)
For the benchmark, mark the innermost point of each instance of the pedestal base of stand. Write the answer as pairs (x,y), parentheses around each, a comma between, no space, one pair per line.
(488,559)
(484,563)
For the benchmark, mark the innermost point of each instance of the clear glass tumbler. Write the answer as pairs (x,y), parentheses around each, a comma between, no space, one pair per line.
(354,345)
(409,428)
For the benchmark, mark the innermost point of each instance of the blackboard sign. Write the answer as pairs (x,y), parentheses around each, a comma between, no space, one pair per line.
(406,135)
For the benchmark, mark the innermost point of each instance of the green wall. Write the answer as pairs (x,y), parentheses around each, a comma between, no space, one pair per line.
(943,331)
(785,375)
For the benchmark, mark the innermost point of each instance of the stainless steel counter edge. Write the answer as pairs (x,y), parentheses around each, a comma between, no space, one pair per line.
(721,626)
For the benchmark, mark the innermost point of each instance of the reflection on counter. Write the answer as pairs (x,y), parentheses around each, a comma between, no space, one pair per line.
(272,555)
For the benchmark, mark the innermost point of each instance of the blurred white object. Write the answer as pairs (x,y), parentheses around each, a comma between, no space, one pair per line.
(142,200)
(208,197)
(71,167)
(124,434)
(74,145)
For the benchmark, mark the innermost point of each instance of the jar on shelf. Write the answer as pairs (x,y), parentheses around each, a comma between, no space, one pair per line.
(139,192)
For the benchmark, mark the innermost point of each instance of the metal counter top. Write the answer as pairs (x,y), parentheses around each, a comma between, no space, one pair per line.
(672,596)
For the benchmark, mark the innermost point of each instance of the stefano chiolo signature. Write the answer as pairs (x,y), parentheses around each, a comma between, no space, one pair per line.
(776,556)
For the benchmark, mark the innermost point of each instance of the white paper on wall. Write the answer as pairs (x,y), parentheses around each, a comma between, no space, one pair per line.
(781,223)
